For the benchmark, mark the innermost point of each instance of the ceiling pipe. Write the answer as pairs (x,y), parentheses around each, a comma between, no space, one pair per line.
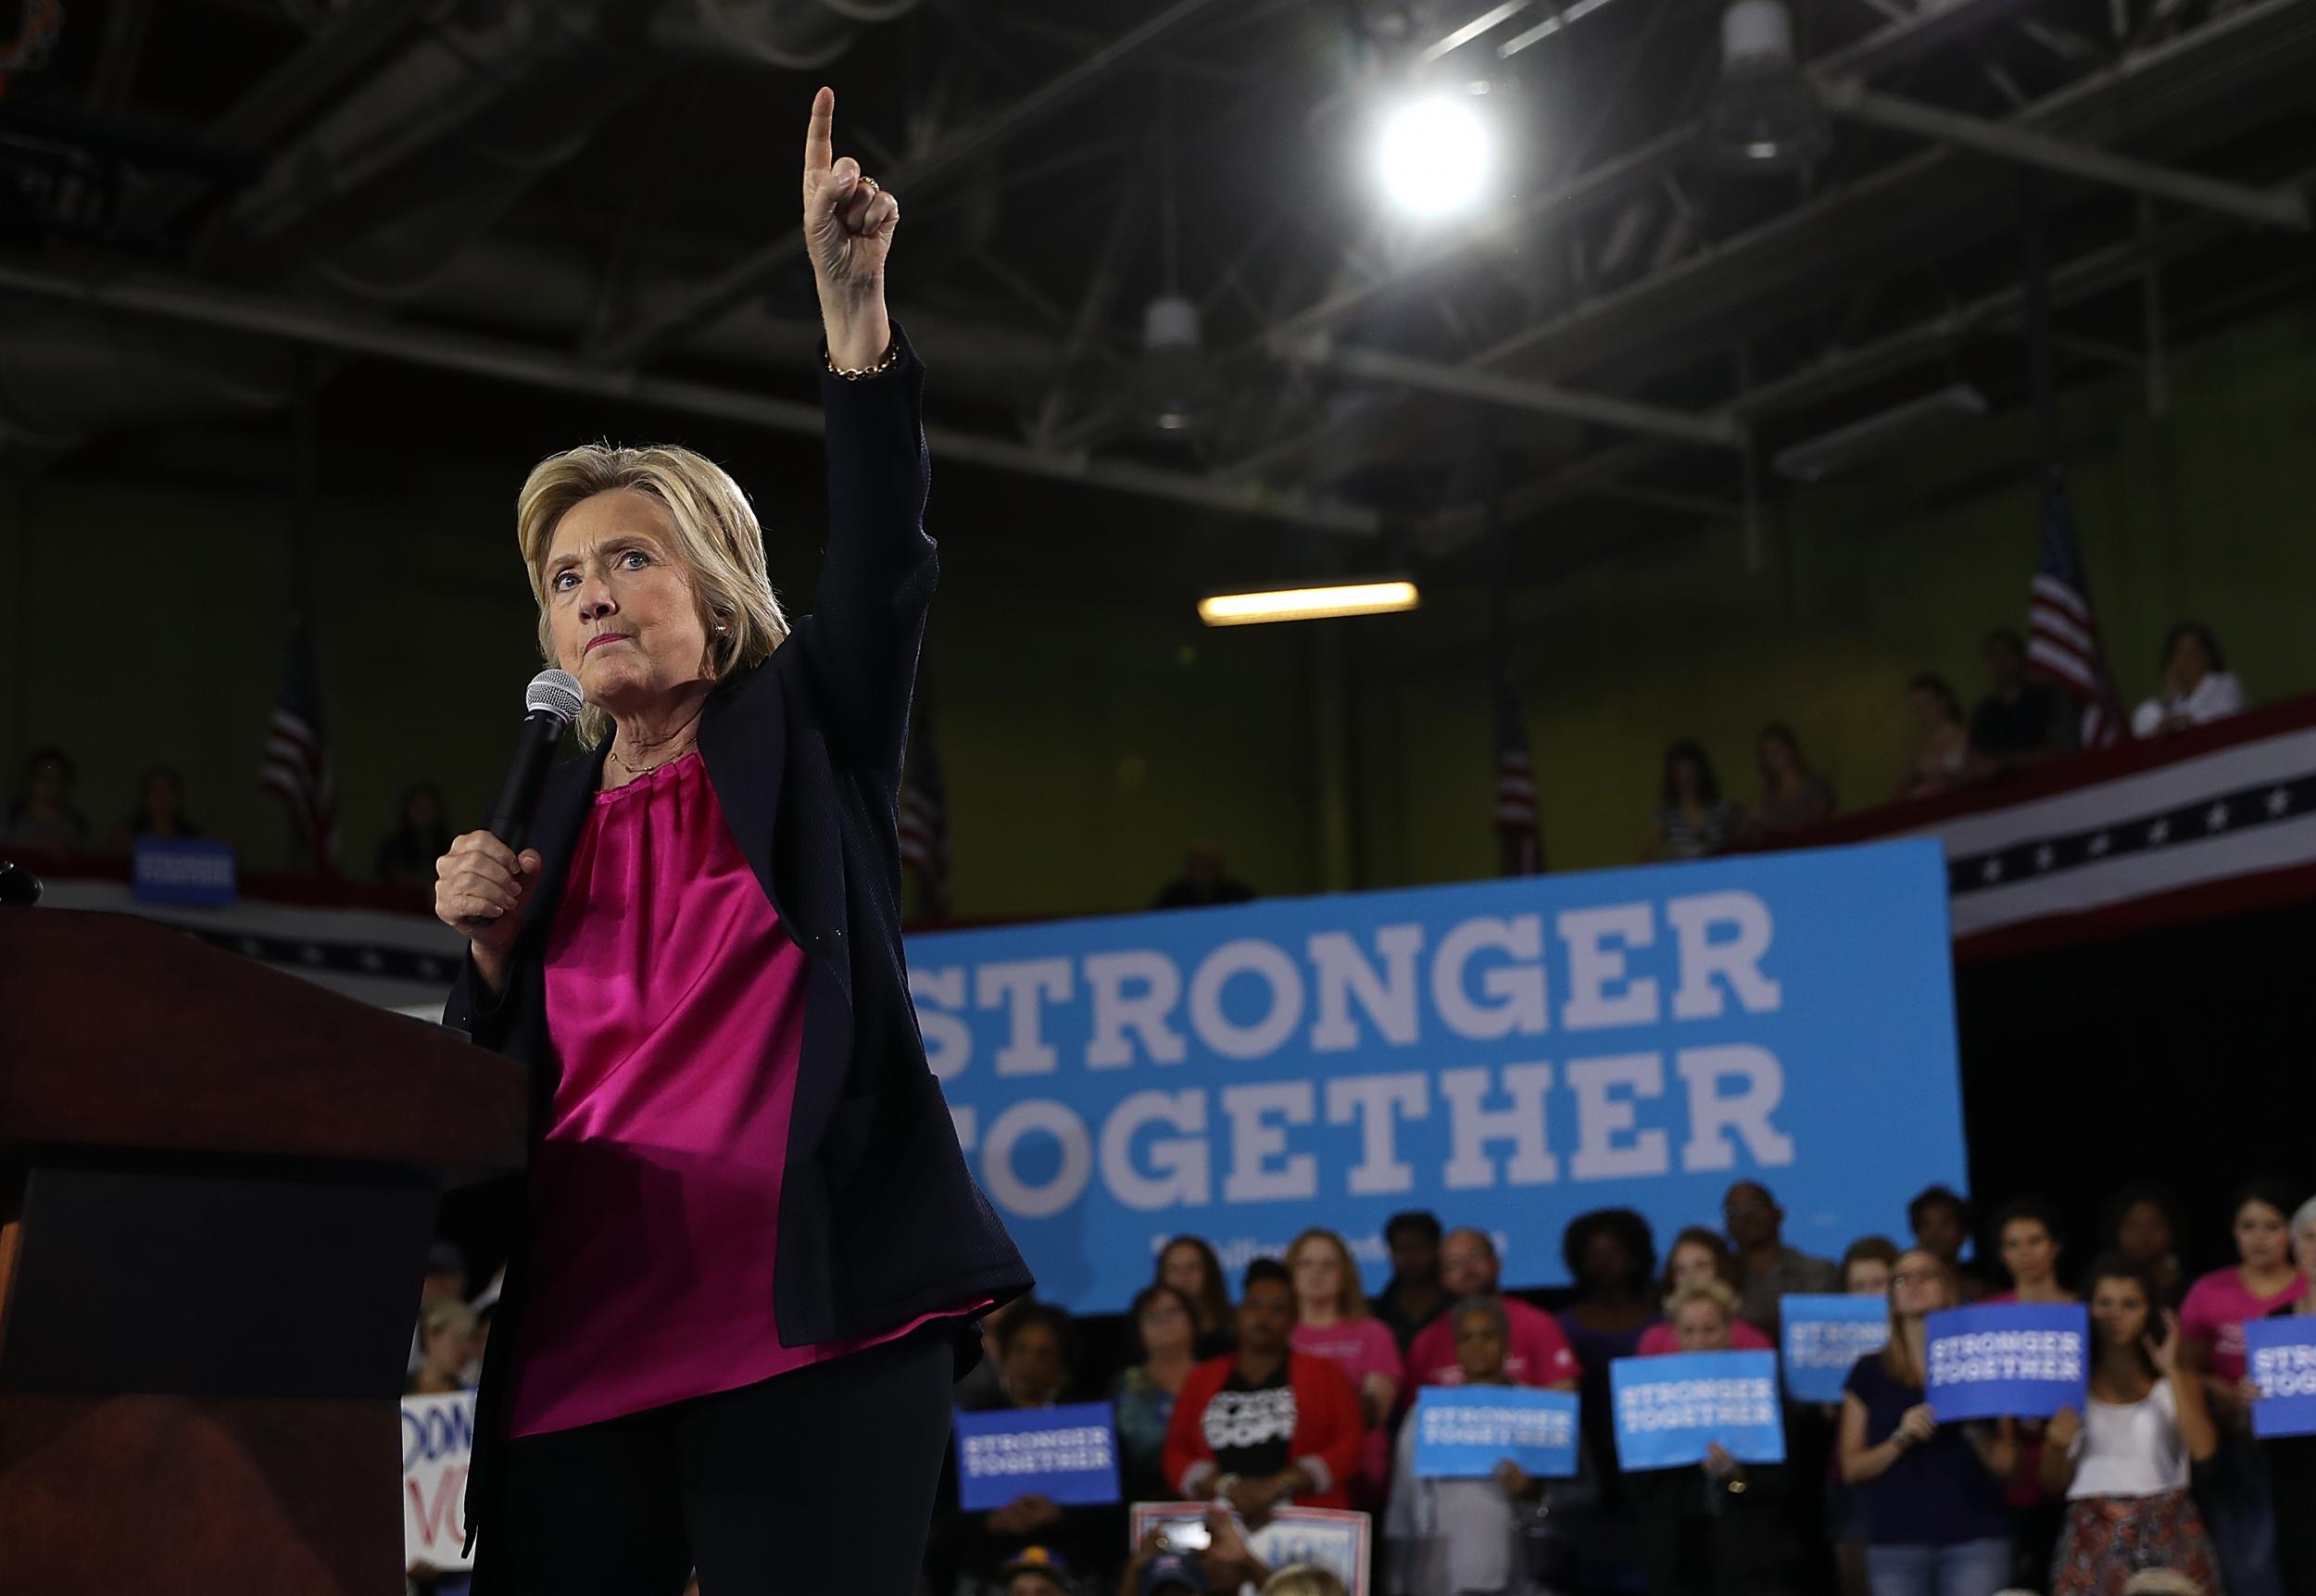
(505,360)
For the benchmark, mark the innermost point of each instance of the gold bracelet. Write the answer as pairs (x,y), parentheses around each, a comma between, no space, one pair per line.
(890,359)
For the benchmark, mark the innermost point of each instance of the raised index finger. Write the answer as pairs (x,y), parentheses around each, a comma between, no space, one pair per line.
(819,141)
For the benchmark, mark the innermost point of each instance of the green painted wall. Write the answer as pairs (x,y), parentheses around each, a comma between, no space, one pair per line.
(1092,728)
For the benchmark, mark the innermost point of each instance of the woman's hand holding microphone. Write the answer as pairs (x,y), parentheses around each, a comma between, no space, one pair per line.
(479,889)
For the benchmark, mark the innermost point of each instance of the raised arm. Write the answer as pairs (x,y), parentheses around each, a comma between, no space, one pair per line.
(877,579)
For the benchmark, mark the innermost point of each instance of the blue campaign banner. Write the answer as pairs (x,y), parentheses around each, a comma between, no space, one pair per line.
(2007,1360)
(1824,1337)
(1068,1455)
(1462,1432)
(183,871)
(1671,1409)
(2280,1356)
(1508,1053)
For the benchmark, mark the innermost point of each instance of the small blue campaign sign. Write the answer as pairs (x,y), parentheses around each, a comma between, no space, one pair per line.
(183,871)
(2007,1360)
(1824,1339)
(1068,1455)
(2280,1356)
(1462,1432)
(1671,1409)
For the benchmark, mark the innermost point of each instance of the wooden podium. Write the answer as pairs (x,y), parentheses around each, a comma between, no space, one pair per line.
(218,1184)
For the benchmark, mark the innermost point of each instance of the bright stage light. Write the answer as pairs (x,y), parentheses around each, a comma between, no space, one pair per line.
(1307,603)
(1433,155)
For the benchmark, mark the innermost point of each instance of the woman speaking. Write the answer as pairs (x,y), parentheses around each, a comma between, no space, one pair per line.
(750,1247)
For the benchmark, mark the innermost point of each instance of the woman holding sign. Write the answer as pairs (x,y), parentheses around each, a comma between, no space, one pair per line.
(1723,1530)
(1934,1509)
(2212,1320)
(749,1250)
(2122,1463)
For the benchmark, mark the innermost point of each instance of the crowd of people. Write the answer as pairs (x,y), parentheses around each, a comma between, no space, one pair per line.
(2020,723)
(1296,1391)
(44,822)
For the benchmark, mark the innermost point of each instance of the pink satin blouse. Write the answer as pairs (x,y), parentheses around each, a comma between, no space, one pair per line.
(676,1006)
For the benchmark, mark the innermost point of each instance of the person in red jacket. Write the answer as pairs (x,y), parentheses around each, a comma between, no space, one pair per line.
(1266,1425)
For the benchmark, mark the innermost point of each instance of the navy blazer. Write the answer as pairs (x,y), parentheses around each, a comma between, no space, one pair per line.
(880,1221)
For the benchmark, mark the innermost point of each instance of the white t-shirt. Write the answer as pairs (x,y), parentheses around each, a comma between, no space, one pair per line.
(2216,695)
(2130,1449)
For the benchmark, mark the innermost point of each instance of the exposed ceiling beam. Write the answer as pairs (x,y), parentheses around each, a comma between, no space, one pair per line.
(1464,35)
(1492,388)
(2095,272)
(1561,18)
(509,360)
(1609,180)
(719,294)
(326,65)
(2007,141)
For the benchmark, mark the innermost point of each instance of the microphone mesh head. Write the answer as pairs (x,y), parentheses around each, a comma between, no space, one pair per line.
(557,692)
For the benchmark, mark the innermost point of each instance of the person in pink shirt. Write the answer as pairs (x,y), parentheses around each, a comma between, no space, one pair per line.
(1698,1255)
(1332,1322)
(2211,1330)
(1539,1353)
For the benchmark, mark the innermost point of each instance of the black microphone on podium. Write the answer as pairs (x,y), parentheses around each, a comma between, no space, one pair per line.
(549,705)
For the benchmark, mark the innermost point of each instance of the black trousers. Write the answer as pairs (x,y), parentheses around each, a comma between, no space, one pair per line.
(817,1480)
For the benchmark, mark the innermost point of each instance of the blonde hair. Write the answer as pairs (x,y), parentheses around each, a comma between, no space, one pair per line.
(1715,1291)
(1899,1356)
(1303,1579)
(1350,1302)
(718,541)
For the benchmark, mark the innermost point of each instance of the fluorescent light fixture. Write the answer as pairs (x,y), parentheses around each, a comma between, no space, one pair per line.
(1433,155)
(1307,603)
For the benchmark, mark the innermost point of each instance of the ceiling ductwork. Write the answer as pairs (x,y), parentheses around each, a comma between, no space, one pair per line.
(378,198)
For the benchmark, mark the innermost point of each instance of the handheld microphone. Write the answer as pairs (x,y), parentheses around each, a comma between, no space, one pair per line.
(550,705)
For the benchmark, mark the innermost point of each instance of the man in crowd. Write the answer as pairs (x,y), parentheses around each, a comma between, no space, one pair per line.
(1413,1297)
(1538,1353)
(1756,1229)
(2020,721)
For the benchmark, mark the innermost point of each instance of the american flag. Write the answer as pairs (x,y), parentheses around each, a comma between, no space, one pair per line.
(2062,635)
(1520,842)
(925,814)
(297,762)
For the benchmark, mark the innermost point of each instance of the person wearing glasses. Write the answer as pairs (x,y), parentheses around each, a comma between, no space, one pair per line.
(1771,1269)
(1936,1521)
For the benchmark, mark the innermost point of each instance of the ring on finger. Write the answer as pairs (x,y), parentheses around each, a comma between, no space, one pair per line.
(870,184)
